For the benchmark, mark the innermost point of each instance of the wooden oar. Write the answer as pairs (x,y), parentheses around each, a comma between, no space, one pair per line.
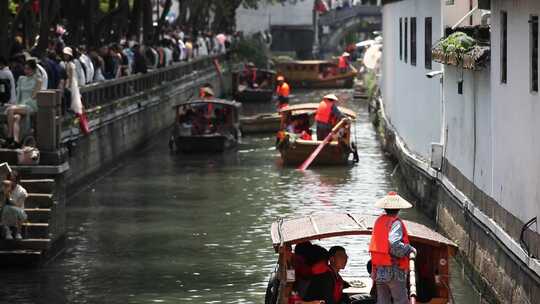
(313,155)
(412,278)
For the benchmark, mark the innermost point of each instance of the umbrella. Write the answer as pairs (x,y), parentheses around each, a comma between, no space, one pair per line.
(365,43)
(221,38)
(372,57)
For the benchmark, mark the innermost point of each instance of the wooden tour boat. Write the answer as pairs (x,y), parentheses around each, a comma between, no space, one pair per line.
(432,281)
(260,91)
(206,125)
(316,74)
(260,123)
(294,150)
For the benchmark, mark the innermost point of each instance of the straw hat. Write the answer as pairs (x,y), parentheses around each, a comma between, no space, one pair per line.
(393,201)
(345,54)
(280,78)
(331,97)
(208,91)
(68,51)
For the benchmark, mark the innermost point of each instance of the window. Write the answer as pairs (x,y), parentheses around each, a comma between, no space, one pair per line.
(400,39)
(427,42)
(534,53)
(504,47)
(413,40)
(405,32)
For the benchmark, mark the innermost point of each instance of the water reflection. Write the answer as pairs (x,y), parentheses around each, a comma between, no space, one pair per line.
(166,228)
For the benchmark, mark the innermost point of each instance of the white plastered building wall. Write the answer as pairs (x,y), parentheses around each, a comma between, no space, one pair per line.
(412,101)
(516,113)
(258,20)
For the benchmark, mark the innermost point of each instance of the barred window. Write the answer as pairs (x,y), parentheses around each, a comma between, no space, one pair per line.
(405,44)
(413,40)
(504,47)
(534,53)
(427,42)
(400,38)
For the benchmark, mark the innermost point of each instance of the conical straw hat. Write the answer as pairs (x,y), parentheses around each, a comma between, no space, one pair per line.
(393,201)
(331,97)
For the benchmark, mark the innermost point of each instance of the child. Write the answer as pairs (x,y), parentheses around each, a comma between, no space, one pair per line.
(13,214)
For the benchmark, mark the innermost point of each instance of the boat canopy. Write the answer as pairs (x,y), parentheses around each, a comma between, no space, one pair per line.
(212,101)
(312,107)
(326,225)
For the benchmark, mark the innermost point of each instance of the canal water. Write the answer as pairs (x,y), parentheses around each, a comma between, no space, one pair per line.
(166,228)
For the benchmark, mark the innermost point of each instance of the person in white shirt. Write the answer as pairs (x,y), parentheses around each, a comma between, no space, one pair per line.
(13,214)
(88,65)
(7,83)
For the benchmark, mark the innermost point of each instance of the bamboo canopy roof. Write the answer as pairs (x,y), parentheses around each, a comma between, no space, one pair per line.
(326,225)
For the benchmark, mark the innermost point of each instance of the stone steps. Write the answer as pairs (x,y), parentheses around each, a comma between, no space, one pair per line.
(39,185)
(25,244)
(38,215)
(35,230)
(39,206)
(39,200)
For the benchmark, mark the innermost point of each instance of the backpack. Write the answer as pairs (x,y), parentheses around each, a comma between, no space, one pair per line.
(5,90)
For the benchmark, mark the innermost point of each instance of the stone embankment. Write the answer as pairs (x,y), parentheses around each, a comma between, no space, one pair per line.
(495,262)
(123,115)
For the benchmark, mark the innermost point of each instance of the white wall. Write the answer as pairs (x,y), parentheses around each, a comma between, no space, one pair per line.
(453,13)
(516,114)
(252,21)
(412,101)
(468,123)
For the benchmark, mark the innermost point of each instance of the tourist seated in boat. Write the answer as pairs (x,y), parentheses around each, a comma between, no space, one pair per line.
(219,121)
(302,269)
(199,123)
(326,283)
(249,76)
(327,116)
(12,213)
(185,116)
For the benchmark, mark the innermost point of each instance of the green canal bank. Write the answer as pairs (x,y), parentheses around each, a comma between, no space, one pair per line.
(497,265)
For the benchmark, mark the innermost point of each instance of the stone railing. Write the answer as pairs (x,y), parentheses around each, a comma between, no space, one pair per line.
(102,93)
(103,99)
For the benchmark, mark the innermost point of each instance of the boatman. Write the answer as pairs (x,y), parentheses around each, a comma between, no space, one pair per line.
(282,92)
(390,250)
(327,116)
(206,92)
(343,62)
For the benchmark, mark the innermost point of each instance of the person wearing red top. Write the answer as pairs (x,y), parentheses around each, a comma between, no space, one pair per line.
(390,249)
(327,115)
(282,92)
(343,62)
(326,284)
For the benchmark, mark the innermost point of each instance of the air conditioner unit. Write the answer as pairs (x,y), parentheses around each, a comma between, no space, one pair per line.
(436,156)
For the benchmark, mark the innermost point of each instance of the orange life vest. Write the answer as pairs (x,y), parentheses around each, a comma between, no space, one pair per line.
(342,62)
(324,112)
(283,90)
(379,248)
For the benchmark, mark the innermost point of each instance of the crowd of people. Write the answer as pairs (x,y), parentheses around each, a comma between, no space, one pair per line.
(27,71)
